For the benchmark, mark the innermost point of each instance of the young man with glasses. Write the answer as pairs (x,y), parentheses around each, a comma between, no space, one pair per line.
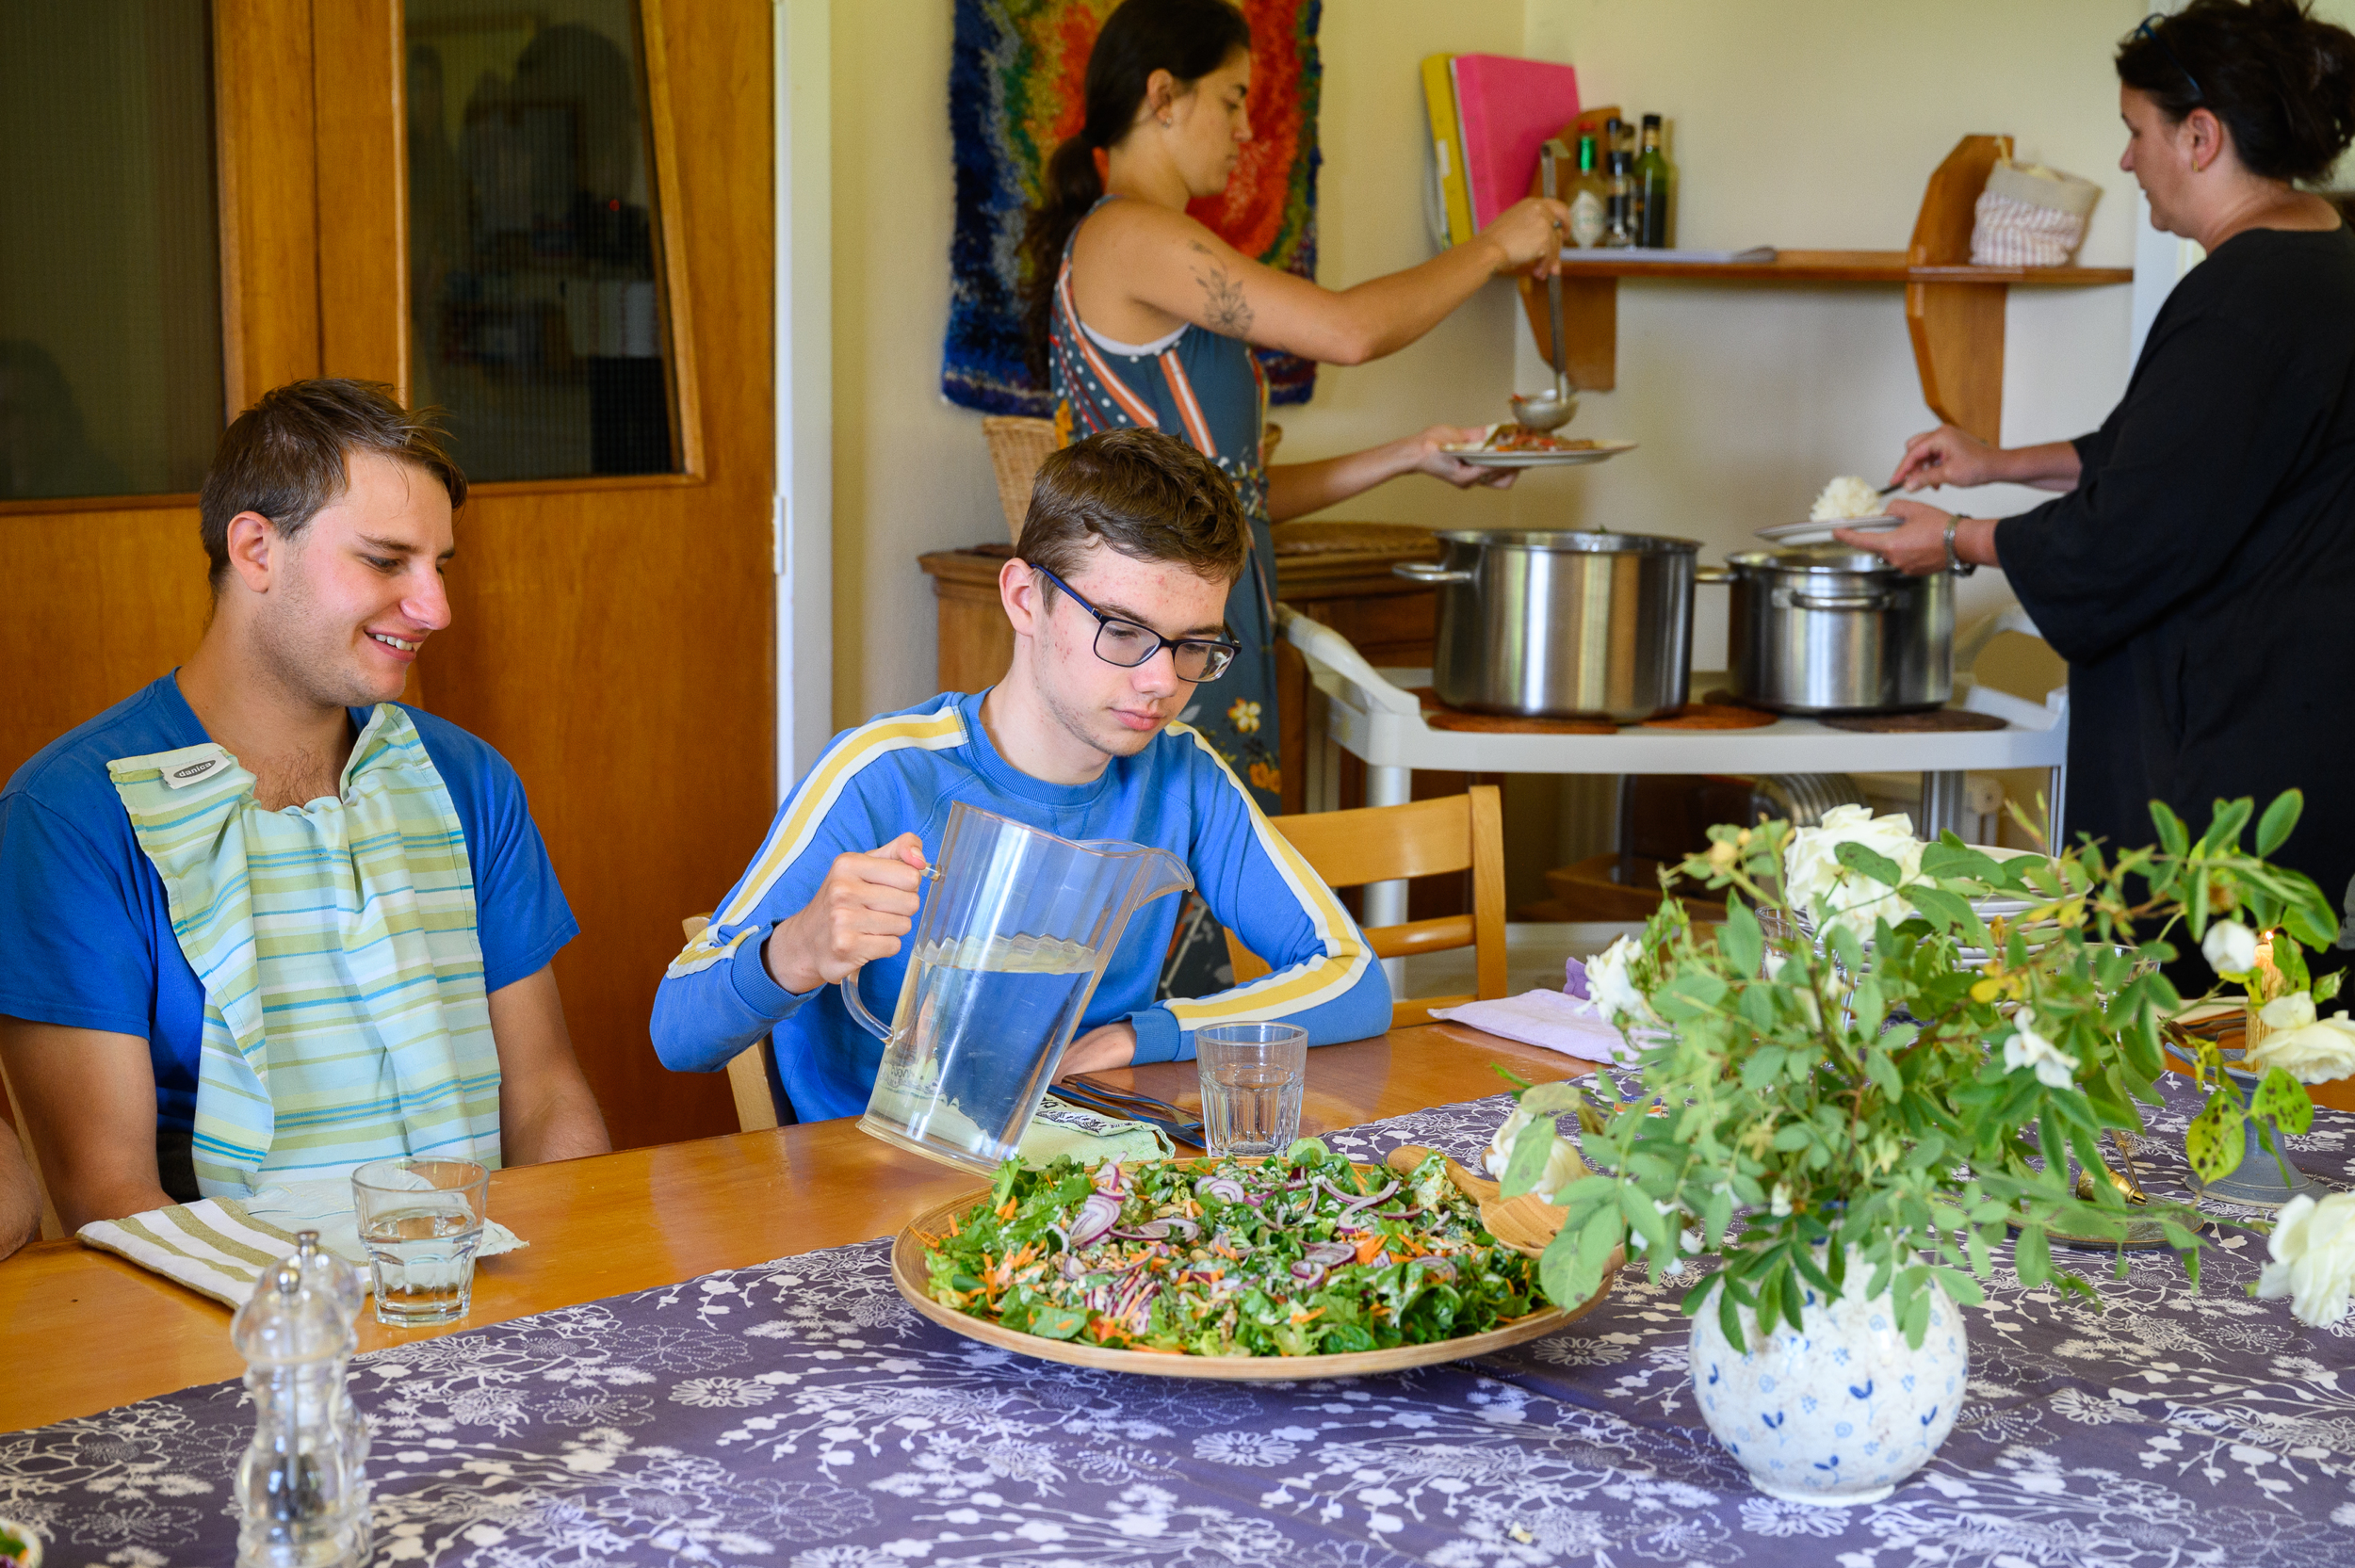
(1117,596)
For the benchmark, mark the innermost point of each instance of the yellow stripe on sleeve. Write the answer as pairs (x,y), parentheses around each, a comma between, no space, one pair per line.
(799,823)
(1302,986)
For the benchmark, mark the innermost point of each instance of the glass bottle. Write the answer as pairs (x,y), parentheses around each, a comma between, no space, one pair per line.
(1618,231)
(302,1502)
(1588,196)
(1655,190)
(341,1280)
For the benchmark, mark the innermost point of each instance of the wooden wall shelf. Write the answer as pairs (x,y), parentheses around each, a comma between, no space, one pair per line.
(1954,310)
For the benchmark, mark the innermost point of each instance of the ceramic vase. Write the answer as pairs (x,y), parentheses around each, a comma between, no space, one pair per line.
(1839,1412)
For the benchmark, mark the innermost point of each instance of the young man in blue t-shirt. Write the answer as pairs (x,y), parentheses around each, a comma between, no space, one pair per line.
(259,923)
(1117,596)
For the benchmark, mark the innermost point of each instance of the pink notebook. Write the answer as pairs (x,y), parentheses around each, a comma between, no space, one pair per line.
(1507,109)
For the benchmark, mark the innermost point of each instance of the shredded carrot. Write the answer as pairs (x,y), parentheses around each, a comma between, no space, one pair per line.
(952,1225)
(1370,1247)
(1005,1210)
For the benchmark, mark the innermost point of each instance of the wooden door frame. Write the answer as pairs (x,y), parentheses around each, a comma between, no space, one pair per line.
(801,517)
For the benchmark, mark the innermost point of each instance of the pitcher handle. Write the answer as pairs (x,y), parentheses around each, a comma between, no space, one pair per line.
(859,1014)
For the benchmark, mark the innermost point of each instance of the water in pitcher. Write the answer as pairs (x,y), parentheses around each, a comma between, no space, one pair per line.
(968,1011)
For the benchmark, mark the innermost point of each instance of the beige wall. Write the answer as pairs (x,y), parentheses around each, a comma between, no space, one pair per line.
(1808,123)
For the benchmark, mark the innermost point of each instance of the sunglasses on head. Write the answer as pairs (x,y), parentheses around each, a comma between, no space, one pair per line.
(2149,27)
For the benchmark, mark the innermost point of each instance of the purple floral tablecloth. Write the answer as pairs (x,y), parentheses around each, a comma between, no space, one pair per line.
(798,1414)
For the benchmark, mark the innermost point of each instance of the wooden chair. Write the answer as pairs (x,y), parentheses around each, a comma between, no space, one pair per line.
(1018,446)
(50,1228)
(1422,839)
(748,1071)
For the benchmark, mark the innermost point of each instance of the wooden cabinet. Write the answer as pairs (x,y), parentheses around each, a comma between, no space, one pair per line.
(1336,572)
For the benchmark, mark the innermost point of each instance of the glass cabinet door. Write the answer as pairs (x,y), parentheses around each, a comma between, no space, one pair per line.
(538,315)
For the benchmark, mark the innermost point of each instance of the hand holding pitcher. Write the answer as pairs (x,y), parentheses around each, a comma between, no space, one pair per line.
(867,903)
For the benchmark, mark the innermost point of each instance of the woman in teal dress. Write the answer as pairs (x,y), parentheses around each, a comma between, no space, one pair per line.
(1141,315)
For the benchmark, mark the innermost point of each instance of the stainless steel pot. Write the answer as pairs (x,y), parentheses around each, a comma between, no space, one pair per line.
(1562,625)
(1828,630)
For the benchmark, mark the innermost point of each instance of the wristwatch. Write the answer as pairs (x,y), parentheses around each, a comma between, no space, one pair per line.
(1955,564)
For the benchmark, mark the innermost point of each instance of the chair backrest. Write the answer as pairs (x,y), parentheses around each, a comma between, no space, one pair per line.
(50,1228)
(1422,839)
(748,1070)
(1017,448)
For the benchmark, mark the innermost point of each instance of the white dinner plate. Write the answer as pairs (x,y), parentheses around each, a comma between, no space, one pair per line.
(1820,533)
(1479,456)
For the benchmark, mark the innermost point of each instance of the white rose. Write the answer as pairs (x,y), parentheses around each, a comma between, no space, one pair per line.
(1611,989)
(2230,947)
(1563,1164)
(2313,1258)
(2293,1011)
(1812,872)
(2055,1068)
(2315,1052)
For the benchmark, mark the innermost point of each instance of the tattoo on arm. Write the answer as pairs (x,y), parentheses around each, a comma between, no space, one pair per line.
(1225,310)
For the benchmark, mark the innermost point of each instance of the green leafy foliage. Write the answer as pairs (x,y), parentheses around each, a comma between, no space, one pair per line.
(1833,1119)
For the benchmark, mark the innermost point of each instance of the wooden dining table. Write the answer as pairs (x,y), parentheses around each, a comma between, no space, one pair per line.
(83,1331)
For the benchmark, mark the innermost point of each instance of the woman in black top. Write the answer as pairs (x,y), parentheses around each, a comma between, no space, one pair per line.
(2198,574)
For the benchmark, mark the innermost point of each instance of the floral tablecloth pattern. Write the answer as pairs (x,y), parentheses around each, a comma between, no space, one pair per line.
(797,1413)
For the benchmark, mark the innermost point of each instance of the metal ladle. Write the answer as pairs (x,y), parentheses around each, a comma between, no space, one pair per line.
(1547,410)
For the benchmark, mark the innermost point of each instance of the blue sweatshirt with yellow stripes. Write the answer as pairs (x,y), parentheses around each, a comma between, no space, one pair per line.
(902,772)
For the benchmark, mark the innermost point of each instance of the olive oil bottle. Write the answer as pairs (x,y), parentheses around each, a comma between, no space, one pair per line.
(1655,180)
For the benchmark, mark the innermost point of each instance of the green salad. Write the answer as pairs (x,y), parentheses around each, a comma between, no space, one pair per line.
(1304,1255)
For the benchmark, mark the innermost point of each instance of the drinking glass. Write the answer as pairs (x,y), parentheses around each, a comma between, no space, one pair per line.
(1253,1076)
(421,1220)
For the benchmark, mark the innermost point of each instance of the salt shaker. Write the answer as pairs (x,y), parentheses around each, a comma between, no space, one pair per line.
(302,1502)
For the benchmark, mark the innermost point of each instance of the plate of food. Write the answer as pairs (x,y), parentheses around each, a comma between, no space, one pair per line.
(1302,1266)
(1510,445)
(1846,502)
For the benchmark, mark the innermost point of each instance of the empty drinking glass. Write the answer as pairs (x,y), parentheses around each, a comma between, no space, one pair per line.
(1253,1076)
(421,1220)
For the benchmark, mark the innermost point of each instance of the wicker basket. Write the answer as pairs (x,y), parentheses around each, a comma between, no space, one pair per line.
(2030,216)
(1017,448)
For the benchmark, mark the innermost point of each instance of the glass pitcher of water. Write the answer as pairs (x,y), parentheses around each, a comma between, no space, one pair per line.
(1015,931)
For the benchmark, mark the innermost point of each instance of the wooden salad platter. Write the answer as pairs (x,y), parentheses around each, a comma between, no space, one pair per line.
(909,1273)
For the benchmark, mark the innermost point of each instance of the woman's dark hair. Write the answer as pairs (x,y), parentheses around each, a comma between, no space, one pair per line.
(2281,81)
(1189,39)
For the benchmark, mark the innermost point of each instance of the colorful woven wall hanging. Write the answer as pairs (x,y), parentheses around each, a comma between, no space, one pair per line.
(1014,74)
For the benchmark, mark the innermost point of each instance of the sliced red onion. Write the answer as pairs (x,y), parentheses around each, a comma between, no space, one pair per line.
(1328,1252)
(1097,1216)
(1396,1213)
(1309,1274)
(1158,1230)
(1443,1267)
(1227,1189)
(1351,1202)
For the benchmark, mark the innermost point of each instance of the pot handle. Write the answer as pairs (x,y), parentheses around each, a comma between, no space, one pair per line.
(1713,575)
(1424,572)
(1839,601)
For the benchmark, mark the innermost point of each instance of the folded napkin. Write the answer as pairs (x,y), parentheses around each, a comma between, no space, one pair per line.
(1061,1128)
(220,1246)
(1554,1019)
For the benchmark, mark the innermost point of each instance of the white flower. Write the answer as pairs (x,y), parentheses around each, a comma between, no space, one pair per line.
(1563,1164)
(1781,1206)
(1812,872)
(2055,1068)
(1611,987)
(2313,1258)
(2230,947)
(2293,1011)
(2308,1049)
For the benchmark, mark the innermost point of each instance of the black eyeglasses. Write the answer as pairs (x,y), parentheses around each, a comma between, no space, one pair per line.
(2149,28)
(1128,644)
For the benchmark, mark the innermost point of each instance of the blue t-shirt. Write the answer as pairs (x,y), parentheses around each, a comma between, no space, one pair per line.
(902,774)
(86,937)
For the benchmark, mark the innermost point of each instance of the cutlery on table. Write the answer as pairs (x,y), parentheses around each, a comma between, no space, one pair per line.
(1131,1107)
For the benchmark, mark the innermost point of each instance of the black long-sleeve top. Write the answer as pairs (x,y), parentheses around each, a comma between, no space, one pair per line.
(2202,572)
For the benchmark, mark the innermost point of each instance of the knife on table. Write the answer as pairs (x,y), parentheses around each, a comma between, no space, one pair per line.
(1133,1108)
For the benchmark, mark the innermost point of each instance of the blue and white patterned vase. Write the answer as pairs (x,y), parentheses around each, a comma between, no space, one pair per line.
(1841,1412)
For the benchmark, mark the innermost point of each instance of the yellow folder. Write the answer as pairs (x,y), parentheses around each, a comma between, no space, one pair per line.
(1438,96)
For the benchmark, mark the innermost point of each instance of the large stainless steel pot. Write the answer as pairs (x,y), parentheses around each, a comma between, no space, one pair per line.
(1562,625)
(1828,630)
